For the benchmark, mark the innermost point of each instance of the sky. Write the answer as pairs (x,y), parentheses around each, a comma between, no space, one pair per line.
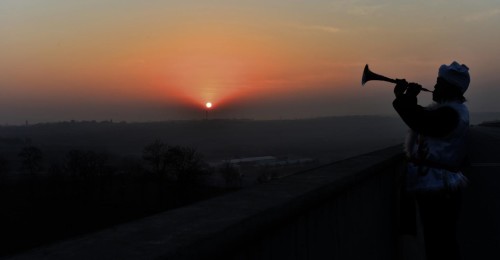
(163,60)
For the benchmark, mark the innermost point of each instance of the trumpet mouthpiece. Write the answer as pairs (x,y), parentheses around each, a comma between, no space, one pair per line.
(426,90)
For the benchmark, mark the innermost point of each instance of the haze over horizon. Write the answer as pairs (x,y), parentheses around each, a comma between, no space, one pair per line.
(162,60)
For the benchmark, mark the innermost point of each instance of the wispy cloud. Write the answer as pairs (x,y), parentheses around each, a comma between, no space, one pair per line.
(360,7)
(481,16)
(364,10)
(328,29)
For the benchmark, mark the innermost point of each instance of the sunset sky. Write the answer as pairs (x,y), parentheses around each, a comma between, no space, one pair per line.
(162,60)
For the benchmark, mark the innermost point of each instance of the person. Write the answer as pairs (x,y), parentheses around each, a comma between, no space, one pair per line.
(436,148)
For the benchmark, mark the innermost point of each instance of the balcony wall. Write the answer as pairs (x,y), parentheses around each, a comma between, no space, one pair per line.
(343,210)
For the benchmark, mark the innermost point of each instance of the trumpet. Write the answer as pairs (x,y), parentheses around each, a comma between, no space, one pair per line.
(369,75)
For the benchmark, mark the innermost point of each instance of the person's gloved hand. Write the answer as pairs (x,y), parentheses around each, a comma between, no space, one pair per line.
(400,88)
(413,89)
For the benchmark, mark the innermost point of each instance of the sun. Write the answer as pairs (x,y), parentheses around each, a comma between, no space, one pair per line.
(208,105)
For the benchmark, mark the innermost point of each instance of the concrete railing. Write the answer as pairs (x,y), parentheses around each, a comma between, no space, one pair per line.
(344,210)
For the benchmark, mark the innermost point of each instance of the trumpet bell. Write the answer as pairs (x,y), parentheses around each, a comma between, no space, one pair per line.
(366,72)
(369,75)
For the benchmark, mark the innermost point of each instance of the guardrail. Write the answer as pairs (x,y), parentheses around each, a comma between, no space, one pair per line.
(344,210)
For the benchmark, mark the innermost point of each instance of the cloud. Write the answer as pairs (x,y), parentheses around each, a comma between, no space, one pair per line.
(364,10)
(481,16)
(361,7)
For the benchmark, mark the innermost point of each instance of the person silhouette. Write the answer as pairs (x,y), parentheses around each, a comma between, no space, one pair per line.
(436,149)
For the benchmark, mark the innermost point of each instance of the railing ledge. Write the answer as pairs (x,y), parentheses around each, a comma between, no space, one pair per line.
(220,224)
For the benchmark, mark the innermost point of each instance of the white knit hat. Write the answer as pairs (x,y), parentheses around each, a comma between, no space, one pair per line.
(456,74)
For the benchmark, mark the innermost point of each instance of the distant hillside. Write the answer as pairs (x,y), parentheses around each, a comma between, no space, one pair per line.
(325,138)
(491,124)
(478,118)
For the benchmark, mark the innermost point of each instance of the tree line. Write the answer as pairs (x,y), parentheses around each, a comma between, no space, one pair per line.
(88,190)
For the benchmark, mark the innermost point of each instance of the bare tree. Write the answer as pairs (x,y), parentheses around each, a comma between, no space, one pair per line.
(31,159)
(86,163)
(180,159)
(155,155)
(4,170)
(177,163)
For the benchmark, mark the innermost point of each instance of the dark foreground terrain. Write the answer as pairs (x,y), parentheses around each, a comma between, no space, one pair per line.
(64,179)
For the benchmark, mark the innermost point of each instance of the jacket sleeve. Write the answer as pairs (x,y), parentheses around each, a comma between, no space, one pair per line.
(435,123)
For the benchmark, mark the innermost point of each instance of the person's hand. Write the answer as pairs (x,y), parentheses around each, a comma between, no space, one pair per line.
(400,88)
(413,89)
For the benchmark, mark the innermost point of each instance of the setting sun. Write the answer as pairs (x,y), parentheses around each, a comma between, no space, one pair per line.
(208,105)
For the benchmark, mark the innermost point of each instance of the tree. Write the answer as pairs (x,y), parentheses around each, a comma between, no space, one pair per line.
(155,155)
(31,159)
(182,159)
(86,164)
(182,164)
(4,166)
(4,170)
(186,165)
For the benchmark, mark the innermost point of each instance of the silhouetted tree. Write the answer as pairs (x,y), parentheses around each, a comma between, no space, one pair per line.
(155,155)
(31,159)
(56,182)
(175,163)
(4,170)
(186,164)
(4,166)
(90,172)
(86,163)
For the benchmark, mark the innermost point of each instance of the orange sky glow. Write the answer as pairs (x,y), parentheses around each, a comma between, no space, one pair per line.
(258,59)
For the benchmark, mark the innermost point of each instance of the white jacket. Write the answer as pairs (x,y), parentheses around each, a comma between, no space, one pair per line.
(434,163)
